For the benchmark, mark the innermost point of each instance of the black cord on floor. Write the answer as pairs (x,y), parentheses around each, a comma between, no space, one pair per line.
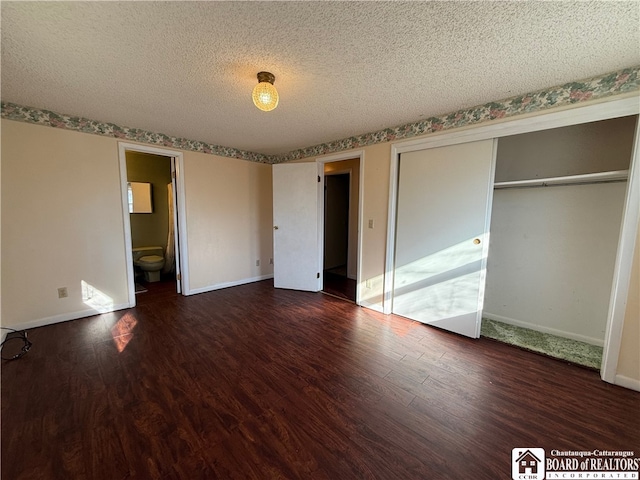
(12,339)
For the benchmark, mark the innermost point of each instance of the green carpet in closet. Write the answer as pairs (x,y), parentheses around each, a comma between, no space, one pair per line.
(563,348)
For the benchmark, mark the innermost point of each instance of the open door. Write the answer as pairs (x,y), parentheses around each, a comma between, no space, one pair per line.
(296,243)
(173,214)
(442,235)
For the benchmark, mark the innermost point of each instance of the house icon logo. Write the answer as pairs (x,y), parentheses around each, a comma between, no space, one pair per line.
(527,464)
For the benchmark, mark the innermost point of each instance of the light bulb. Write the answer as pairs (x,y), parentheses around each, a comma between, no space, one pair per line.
(265,95)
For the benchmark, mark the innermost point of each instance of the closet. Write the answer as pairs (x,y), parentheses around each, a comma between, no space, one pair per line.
(522,229)
(555,223)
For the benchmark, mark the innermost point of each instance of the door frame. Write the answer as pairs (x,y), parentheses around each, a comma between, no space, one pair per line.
(348,155)
(180,243)
(544,121)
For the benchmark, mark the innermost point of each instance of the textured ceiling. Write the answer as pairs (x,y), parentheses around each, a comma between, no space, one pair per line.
(186,69)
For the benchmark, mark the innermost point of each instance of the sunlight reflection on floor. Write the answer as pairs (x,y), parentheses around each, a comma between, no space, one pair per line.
(122,331)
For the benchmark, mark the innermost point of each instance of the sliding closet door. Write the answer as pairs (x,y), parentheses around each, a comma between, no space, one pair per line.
(442,235)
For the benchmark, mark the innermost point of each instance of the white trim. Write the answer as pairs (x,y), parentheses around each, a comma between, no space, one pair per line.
(360,232)
(181,241)
(387,297)
(131,285)
(165,152)
(487,228)
(373,306)
(545,120)
(320,224)
(539,328)
(626,382)
(65,317)
(235,283)
(623,266)
(348,155)
(176,240)
(124,147)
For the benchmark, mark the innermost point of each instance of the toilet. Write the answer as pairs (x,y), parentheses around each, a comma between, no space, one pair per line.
(150,260)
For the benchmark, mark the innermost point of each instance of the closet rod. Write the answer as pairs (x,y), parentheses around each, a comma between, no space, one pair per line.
(587,178)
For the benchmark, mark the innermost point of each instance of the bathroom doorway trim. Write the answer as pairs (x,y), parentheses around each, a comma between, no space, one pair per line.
(177,167)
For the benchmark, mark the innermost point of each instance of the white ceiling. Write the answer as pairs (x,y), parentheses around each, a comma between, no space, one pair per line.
(186,69)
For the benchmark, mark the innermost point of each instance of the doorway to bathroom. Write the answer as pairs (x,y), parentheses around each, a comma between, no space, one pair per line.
(152,201)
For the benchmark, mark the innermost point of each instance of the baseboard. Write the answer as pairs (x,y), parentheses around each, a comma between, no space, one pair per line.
(220,286)
(372,306)
(626,382)
(538,328)
(63,317)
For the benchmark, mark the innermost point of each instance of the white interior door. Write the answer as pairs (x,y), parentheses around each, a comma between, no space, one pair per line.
(295,227)
(174,220)
(442,235)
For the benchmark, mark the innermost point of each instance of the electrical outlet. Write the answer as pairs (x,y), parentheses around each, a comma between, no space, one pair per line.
(257,263)
(367,283)
(371,223)
(62,292)
(271,261)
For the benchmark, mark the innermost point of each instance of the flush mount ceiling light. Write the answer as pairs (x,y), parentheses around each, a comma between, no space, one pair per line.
(265,95)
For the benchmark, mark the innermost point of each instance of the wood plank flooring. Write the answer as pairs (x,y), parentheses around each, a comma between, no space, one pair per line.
(339,285)
(252,382)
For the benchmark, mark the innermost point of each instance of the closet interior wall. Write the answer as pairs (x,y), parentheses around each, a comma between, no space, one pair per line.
(552,248)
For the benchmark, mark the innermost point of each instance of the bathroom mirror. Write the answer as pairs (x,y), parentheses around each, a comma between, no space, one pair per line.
(139,196)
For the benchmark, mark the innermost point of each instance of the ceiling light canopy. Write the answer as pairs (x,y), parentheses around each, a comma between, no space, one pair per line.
(265,95)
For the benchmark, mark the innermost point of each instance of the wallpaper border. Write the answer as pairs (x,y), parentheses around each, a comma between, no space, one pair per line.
(614,83)
(21,113)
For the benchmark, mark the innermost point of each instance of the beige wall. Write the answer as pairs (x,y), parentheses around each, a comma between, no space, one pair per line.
(629,359)
(576,149)
(377,162)
(229,220)
(63,224)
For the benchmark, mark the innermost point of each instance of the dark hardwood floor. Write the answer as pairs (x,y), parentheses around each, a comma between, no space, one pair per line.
(339,285)
(253,382)
(157,291)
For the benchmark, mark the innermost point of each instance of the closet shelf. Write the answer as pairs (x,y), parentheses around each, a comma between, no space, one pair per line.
(600,177)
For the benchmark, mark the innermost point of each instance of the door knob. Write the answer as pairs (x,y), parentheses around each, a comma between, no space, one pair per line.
(476,241)
(275,227)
